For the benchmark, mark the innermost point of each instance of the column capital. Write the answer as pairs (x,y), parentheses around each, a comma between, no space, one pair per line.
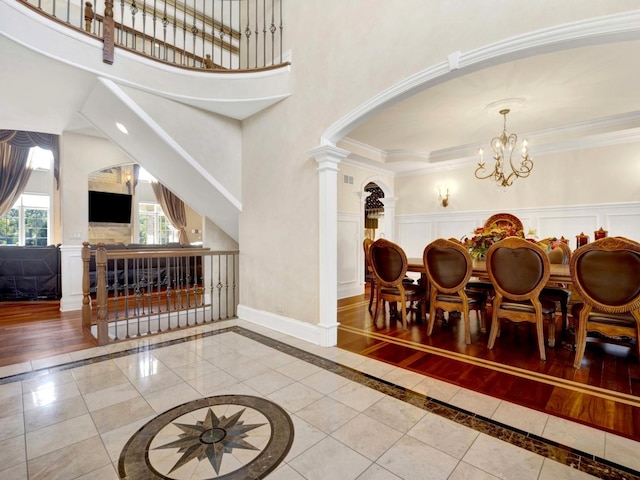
(328,156)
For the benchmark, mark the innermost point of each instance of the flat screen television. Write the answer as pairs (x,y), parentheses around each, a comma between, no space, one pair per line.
(105,207)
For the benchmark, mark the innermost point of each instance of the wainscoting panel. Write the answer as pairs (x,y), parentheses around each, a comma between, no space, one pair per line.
(413,232)
(414,235)
(350,255)
(451,228)
(623,224)
(560,225)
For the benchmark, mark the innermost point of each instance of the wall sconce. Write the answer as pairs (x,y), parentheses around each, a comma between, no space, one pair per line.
(443,195)
(128,182)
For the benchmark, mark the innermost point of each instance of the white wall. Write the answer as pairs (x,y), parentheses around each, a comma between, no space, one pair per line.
(607,174)
(372,45)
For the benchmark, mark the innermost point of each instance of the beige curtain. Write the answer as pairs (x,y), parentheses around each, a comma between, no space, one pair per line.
(25,140)
(174,209)
(14,175)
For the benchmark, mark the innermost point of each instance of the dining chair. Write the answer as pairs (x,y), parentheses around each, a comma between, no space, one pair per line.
(448,265)
(366,245)
(518,270)
(606,275)
(505,219)
(389,263)
(561,294)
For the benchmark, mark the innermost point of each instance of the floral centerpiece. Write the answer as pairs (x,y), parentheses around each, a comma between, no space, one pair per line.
(483,237)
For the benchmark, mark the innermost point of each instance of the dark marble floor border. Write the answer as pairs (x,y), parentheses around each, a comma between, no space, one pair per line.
(571,457)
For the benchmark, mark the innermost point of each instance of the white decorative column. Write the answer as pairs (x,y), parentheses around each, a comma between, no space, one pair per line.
(71,274)
(389,217)
(328,158)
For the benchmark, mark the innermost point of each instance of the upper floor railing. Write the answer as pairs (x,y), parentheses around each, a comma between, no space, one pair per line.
(219,35)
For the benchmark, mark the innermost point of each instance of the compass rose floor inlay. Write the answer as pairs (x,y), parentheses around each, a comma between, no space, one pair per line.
(221,437)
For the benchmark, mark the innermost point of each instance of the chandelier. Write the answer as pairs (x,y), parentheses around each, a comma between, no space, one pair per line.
(503,146)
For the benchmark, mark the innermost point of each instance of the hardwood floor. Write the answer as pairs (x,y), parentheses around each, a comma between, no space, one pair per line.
(33,330)
(604,393)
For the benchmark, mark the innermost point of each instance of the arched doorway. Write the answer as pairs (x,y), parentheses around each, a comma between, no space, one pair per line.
(329,155)
(373,209)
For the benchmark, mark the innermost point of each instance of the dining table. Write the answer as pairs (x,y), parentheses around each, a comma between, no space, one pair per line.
(559,272)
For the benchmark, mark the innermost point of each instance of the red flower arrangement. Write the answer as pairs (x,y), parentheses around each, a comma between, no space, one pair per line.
(484,237)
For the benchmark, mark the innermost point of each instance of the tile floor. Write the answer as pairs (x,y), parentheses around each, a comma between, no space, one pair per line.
(69,417)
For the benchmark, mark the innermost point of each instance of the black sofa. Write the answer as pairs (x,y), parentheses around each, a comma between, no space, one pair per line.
(30,273)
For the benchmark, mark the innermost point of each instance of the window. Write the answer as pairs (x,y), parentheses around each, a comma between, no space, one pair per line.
(40,159)
(153,225)
(27,223)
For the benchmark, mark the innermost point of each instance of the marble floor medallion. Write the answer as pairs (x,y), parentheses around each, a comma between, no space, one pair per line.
(230,437)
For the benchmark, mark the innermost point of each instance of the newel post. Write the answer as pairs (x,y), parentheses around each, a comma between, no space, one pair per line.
(328,158)
(101,294)
(86,285)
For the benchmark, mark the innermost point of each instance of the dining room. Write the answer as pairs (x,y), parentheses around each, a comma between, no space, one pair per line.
(596,383)
(554,143)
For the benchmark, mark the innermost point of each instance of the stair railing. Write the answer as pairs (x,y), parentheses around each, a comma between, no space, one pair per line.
(133,293)
(217,35)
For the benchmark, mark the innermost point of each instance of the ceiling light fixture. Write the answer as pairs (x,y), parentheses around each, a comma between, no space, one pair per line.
(122,128)
(499,144)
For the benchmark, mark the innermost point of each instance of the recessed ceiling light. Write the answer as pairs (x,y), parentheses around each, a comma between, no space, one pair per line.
(122,128)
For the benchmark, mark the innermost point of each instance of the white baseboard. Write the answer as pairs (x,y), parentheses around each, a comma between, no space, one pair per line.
(295,328)
(350,291)
(70,302)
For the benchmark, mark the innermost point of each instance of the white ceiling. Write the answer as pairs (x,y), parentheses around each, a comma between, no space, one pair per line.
(562,95)
(553,97)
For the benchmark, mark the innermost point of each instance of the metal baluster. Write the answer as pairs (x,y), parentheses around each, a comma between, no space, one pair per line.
(257,34)
(264,33)
(189,285)
(144,23)
(213,32)
(184,34)
(175,27)
(281,27)
(169,291)
(230,36)
(134,10)
(69,10)
(116,309)
(222,33)
(273,29)
(247,33)
(121,21)
(126,293)
(149,262)
(235,285)
(194,33)
(165,22)
(155,18)
(158,290)
(204,15)
(219,287)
